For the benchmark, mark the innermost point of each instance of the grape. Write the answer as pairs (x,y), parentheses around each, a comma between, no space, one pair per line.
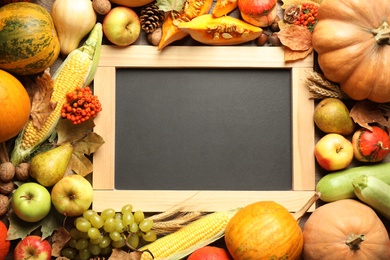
(89,213)
(68,252)
(146,225)
(84,235)
(106,251)
(74,233)
(138,216)
(133,240)
(118,225)
(128,219)
(83,225)
(115,235)
(94,249)
(72,242)
(107,213)
(96,221)
(134,228)
(109,225)
(127,208)
(149,236)
(120,243)
(118,215)
(106,241)
(93,233)
(96,240)
(82,244)
(84,254)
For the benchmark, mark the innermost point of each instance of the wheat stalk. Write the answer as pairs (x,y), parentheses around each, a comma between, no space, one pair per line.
(320,87)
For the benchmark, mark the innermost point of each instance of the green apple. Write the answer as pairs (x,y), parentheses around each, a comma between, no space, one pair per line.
(31,202)
(121,26)
(72,195)
(334,152)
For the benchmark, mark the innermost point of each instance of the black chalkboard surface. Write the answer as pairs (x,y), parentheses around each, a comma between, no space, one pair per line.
(203,129)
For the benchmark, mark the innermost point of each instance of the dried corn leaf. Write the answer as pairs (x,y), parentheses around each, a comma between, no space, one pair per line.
(42,106)
(366,112)
(297,38)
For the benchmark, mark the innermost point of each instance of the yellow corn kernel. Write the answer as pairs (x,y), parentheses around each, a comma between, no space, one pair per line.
(194,233)
(71,76)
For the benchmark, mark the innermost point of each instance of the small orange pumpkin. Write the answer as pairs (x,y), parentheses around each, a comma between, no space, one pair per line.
(345,229)
(266,230)
(4,243)
(15,106)
(371,145)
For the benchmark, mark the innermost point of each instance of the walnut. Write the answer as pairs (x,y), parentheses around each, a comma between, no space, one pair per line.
(6,187)
(4,201)
(7,171)
(291,13)
(22,171)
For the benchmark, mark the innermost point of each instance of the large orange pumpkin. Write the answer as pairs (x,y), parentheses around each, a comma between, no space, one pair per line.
(15,106)
(263,230)
(352,38)
(4,243)
(345,229)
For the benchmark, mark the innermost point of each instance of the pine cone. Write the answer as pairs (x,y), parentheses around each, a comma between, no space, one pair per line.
(151,18)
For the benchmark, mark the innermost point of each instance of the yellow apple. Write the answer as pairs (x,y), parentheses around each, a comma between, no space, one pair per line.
(334,152)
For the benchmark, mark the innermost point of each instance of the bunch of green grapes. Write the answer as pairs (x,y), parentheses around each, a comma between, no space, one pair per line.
(97,234)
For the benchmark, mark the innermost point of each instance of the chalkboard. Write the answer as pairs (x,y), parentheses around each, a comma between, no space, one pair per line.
(203,129)
(211,128)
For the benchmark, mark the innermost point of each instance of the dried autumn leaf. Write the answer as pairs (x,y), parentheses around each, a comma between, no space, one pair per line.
(366,112)
(42,106)
(59,239)
(286,3)
(297,38)
(290,55)
(118,254)
(170,5)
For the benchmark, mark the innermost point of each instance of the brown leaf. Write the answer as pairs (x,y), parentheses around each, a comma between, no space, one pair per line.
(290,55)
(297,38)
(59,240)
(42,106)
(118,254)
(366,112)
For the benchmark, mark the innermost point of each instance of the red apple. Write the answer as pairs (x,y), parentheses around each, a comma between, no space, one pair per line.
(333,152)
(32,248)
(122,26)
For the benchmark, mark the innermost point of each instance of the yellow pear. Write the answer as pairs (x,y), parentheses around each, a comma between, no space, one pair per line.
(331,115)
(49,167)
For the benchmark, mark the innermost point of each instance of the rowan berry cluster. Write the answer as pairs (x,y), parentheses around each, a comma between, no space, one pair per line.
(308,16)
(80,105)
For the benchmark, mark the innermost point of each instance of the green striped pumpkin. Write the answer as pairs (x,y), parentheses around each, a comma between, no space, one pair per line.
(28,40)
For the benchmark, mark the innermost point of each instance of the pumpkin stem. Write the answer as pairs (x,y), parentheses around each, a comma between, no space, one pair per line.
(3,153)
(353,241)
(382,34)
(299,214)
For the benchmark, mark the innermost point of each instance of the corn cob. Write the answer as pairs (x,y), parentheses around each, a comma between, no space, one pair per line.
(181,243)
(77,70)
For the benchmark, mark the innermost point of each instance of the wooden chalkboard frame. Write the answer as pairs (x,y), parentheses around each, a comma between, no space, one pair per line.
(303,136)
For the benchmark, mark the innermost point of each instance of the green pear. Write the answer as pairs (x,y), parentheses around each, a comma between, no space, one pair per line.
(49,167)
(331,115)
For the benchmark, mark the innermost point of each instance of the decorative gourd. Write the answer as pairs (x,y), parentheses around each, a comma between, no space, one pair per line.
(15,106)
(225,30)
(4,243)
(132,3)
(345,229)
(170,31)
(73,21)
(28,39)
(352,39)
(223,7)
(266,230)
(371,145)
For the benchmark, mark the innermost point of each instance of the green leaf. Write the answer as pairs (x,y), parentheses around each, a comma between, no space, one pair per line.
(170,5)
(20,229)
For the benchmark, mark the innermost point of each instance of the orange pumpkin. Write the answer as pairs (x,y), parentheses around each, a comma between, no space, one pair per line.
(266,230)
(352,39)
(345,229)
(15,106)
(4,243)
